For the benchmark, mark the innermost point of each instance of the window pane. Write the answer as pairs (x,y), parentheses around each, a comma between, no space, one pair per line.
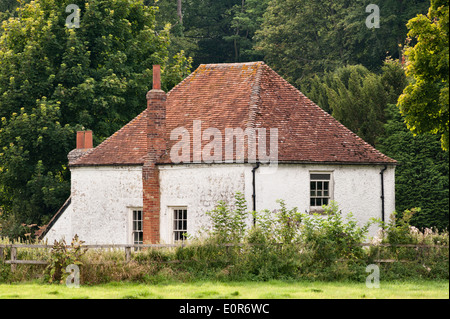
(179,223)
(136,224)
(320,176)
(320,193)
(178,235)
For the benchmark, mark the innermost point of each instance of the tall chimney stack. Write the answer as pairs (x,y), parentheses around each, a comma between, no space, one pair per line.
(156,147)
(156,77)
(156,117)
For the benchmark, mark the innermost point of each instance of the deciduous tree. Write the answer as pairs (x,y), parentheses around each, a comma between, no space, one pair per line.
(304,38)
(425,101)
(54,79)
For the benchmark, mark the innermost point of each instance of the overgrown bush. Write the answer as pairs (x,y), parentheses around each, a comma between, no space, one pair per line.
(62,256)
(228,224)
(413,253)
(330,237)
(279,226)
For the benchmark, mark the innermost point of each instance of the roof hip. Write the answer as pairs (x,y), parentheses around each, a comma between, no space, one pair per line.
(242,95)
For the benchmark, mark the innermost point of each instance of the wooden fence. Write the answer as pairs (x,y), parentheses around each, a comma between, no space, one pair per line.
(14,261)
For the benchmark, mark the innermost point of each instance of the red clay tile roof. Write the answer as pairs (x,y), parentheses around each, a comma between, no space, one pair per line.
(242,95)
(125,147)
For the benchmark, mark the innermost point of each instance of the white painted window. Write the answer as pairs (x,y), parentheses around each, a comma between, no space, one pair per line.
(180,220)
(321,189)
(137,231)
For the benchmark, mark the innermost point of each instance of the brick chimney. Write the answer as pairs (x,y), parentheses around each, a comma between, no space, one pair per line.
(156,147)
(84,144)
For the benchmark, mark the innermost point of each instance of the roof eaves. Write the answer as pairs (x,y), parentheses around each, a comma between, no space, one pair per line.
(107,164)
(381,163)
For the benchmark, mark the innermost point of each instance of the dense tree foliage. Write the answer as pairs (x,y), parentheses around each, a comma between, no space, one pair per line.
(298,38)
(422,174)
(357,97)
(34,179)
(213,31)
(7,8)
(301,38)
(54,79)
(425,100)
(8,5)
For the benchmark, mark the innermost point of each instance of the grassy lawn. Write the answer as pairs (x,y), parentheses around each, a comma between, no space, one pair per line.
(231,290)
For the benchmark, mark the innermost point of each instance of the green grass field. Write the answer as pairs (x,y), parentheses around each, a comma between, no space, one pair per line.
(231,290)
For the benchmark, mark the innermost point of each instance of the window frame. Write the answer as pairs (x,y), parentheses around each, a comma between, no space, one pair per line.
(330,197)
(177,233)
(132,221)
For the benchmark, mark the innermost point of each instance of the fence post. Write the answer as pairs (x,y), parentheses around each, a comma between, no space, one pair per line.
(13,258)
(127,253)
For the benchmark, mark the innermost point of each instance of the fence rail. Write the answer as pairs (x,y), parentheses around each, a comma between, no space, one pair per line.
(128,249)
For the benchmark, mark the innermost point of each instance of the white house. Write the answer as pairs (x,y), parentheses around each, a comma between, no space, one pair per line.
(225,128)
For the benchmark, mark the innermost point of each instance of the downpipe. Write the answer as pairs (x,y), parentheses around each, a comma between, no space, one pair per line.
(254,189)
(382,193)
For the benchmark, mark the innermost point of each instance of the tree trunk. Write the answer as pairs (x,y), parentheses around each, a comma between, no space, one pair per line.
(179,13)
(236,48)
